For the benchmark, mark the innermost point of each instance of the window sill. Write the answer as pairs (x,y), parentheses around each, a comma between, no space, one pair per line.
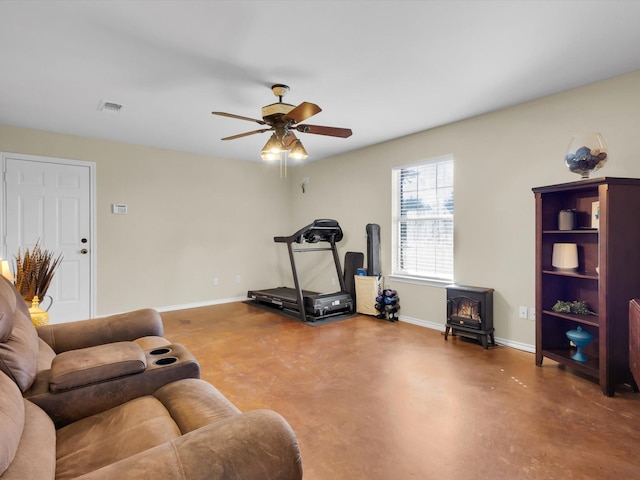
(432,282)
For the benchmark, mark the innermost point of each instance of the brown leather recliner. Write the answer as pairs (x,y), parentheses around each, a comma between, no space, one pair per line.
(76,369)
(110,398)
(186,430)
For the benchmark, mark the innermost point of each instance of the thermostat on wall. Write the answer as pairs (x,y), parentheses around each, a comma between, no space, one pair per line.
(119,208)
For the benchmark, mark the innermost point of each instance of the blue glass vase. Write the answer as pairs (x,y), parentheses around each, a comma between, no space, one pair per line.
(581,339)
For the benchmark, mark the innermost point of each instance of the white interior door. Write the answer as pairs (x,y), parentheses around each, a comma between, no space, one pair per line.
(50,201)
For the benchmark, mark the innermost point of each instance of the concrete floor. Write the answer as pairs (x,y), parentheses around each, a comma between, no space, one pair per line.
(369,399)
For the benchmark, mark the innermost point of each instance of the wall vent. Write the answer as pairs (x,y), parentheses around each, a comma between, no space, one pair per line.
(109,107)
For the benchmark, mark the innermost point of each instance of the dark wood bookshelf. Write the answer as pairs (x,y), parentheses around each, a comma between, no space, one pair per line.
(593,320)
(607,278)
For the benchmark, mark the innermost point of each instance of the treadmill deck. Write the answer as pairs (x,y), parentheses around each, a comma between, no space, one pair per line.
(316,305)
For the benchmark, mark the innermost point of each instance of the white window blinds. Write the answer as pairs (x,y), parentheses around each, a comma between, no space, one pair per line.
(423,219)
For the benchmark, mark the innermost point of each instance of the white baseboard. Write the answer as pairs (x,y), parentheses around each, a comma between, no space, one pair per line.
(525,347)
(440,326)
(207,303)
(421,323)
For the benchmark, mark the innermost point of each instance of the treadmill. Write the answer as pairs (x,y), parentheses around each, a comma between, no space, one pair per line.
(309,306)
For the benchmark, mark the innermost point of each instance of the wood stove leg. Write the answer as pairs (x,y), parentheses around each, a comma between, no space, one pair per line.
(484,341)
(446,332)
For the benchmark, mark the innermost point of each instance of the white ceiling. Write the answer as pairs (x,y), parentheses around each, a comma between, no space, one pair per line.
(385,69)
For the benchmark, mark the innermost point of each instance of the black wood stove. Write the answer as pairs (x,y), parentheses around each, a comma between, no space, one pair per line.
(470,313)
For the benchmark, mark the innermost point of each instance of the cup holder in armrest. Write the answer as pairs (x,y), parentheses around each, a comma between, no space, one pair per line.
(160,351)
(170,358)
(165,361)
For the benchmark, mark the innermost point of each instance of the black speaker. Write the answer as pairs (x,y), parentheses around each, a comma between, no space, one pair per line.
(373,249)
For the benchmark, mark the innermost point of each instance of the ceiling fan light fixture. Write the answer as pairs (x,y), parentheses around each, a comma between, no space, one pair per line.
(270,157)
(298,152)
(283,119)
(272,149)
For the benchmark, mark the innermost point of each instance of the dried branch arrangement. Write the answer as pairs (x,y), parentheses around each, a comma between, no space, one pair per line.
(34,271)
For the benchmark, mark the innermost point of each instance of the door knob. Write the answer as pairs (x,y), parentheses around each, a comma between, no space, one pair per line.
(84,251)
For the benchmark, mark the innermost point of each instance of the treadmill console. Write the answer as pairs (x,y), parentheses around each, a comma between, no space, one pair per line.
(323,230)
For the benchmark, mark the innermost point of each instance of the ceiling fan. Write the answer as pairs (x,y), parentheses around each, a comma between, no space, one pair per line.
(283,119)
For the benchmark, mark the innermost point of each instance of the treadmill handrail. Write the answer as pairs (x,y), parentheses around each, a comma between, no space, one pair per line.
(319,249)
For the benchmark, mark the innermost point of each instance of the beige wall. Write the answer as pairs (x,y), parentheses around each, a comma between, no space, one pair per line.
(499,157)
(193,217)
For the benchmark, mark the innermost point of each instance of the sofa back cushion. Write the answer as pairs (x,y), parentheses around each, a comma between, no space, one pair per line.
(19,349)
(11,419)
(6,320)
(28,440)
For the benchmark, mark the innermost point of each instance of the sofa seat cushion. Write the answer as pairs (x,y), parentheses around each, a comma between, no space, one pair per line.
(113,435)
(95,364)
(255,445)
(194,403)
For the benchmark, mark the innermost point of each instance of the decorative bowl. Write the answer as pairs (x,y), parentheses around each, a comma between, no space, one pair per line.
(587,153)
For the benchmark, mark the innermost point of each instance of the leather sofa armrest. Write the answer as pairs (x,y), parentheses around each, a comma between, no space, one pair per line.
(122,327)
(253,446)
(71,405)
(86,366)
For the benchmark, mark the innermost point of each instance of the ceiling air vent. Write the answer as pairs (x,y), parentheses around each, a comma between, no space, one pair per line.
(109,107)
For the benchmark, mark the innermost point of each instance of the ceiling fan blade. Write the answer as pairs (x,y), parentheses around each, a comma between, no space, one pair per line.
(239,117)
(302,112)
(240,135)
(320,130)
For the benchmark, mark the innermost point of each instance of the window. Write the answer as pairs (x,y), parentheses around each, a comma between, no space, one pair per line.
(423,220)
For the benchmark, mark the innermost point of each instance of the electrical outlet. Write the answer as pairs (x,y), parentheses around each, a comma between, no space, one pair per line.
(216,281)
(522,313)
(532,313)
(237,278)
